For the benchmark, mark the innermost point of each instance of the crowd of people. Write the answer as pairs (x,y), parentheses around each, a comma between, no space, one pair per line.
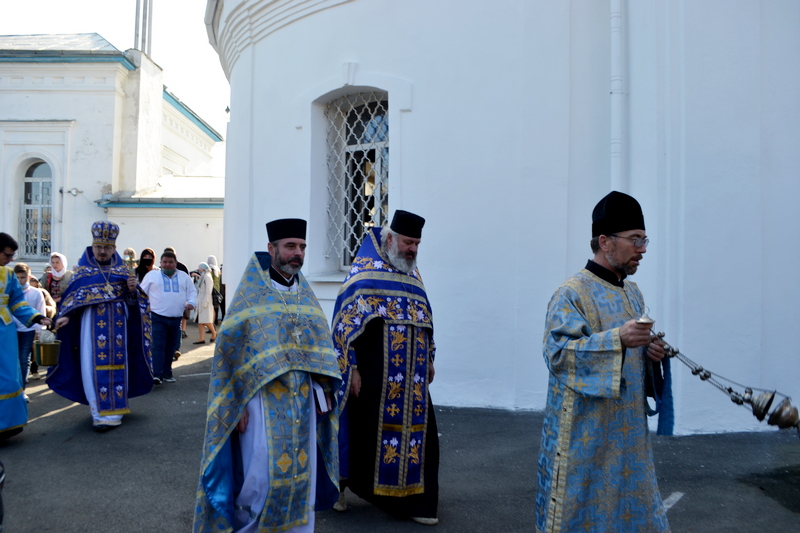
(118,331)
(300,411)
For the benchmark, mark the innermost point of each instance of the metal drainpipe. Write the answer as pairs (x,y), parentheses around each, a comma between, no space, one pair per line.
(136,33)
(150,29)
(619,180)
(145,27)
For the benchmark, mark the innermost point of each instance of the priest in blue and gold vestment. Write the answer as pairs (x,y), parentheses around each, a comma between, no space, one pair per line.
(270,455)
(383,333)
(13,408)
(595,469)
(104,329)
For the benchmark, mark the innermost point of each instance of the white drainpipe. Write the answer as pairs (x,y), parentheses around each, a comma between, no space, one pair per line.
(619,181)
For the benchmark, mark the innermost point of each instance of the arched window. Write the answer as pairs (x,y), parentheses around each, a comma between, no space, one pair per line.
(36,213)
(358,169)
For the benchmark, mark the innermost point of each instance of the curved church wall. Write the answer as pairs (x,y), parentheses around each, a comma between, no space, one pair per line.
(500,136)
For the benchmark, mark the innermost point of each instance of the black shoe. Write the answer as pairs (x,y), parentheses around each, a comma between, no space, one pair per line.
(170,380)
(156,381)
(102,428)
(183,335)
(7,434)
(199,342)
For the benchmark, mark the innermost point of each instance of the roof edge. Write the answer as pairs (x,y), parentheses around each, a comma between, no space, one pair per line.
(191,115)
(65,56)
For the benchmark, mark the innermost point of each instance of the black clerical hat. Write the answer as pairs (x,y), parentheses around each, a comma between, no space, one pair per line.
(616,212)
(286,228)
(407,224)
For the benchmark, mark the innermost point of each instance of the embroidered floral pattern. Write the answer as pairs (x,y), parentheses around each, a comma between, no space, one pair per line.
(375,290)
(390,454)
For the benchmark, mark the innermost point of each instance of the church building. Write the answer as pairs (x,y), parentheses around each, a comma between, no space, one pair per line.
(88,133)
(503,124)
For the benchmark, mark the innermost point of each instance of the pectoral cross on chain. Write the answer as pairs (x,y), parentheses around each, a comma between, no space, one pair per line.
(296,333)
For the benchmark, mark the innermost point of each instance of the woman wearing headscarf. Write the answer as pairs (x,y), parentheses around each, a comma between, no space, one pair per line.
(216,275)
(205,308)
(57,280)
(146,263)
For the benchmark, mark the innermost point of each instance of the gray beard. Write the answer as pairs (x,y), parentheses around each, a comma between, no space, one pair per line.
(398,260)
(286,268)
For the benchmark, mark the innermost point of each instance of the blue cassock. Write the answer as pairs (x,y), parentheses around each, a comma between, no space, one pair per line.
(595,471)
(13,408)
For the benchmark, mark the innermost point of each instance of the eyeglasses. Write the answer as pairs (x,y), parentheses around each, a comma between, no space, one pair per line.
(9,255)
(638,242)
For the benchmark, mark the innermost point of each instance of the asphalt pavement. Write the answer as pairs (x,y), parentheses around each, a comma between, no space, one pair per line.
(142,477)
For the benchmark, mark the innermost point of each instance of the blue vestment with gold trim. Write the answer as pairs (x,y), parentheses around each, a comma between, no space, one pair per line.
(394,408)
(256,350)
(13,408)
(121,335)
(595,471)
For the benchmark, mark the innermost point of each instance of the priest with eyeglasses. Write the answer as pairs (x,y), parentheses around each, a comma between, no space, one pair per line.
(595,470)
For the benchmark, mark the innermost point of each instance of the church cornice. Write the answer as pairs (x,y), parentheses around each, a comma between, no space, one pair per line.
(248,22)
(193,117)
(65,56)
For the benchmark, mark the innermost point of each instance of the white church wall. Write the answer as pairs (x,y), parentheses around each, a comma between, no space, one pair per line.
(141,126)
(86,95)
(242,209)
(186,149)
(721,149)
(504,147)
(714,109)
(25,143)
(195,234)
(457,155)
(779,161)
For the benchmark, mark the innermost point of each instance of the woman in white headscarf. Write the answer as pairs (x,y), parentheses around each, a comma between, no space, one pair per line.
(216,275)
(205,307)
(55,282)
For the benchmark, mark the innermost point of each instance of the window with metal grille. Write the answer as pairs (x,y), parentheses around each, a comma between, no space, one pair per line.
(358,170)
(36,212)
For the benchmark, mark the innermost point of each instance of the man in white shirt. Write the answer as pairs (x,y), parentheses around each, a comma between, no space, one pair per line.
(171,292)
(26,335)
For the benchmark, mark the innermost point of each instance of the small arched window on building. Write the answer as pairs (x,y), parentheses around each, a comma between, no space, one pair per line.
(358,170)
(36,212)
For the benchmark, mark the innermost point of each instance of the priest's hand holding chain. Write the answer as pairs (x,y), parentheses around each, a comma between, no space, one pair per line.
(633,334)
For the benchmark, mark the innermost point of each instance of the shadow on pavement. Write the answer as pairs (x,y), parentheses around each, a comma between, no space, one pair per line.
(142,477)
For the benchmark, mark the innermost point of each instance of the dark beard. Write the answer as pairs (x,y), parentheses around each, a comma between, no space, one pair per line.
(625,268)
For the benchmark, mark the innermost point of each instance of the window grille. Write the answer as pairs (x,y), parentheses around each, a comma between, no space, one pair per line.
(358,170)
(36,212)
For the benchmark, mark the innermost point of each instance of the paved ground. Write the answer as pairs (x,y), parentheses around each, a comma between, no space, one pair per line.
(62,477)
